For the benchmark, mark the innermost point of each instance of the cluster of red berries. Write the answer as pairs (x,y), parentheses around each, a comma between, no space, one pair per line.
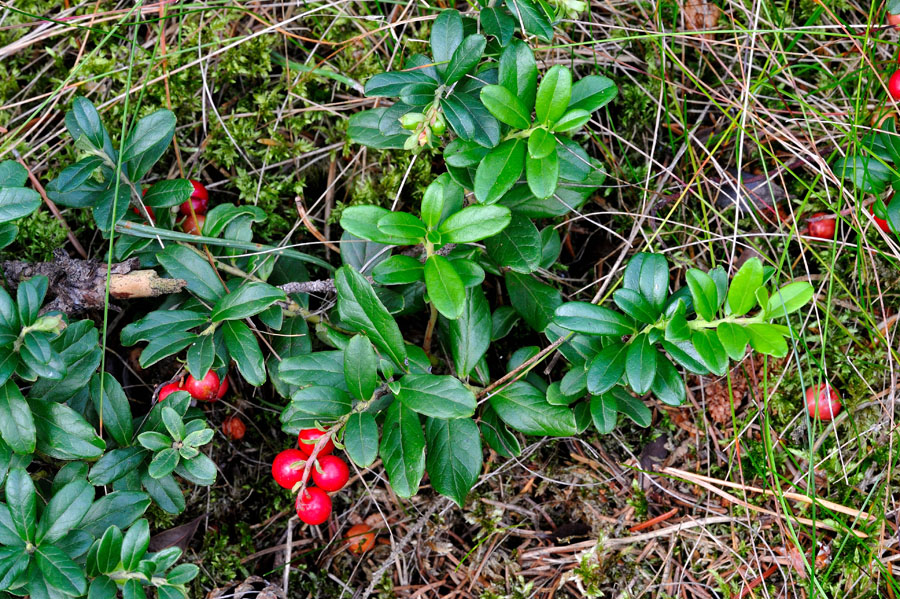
(209,388)
(330,473)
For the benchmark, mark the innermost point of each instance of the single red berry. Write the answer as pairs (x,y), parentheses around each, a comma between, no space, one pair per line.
(822,402)
(167,390)
(234,428)
(308,438)
(894,85)
(199,199)
(893,20)
(223,387)
(205,389)
(360,538)
(882,224)
(823,229)
(287,468)
(313,506)
(193,225)
(138,211)
(331,473)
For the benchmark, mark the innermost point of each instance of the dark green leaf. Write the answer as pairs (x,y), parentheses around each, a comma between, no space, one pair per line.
(170,192)
(165,345)
(249,299)
(244,350)
(606,368)
(632,407)
(866,172)
(502,321)
(361,309)
(518,72)
(668,386)
(470,120)
(499,171)
(319,368)
(17,202)
(360,367)
(446,36)
(165,493)
(469,336)
(464,58)
(21,501)
(361,439)
(518,246)
(314,404)
(635,305)
(534,301)
(117,463)
(402,449)
(199,470)
(640,364)
(525,408)
(60,571)
(363,128)
(591,319)
(499,23)
(160,322)
(182,263)
(112,407)
(29,297)
(684,353)
(12,174)
(436,396)
(532,17)
(146,143)
(592,93)
(135,544)
(16,421)
(445,288)
(200,355)
(109,551)
(63,434)
(453,456)
(604,413)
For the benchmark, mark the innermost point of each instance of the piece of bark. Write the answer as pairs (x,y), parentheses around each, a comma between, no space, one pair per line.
(76,286)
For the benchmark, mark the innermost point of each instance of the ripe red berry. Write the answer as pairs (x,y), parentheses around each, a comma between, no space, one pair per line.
(199,199)
(331,473)
(140,213)
(193,224)
(234,428)
(893,20)
(360,538)
(313,506)
(882,224)
(894,85)
(223,387)
(287,468)
(167,390)
(308,438)
(205,389)
(823,229)
(822,402)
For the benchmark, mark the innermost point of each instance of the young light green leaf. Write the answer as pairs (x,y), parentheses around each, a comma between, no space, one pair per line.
(742,293)
(571,120)
(734,339)
(789,299)
(703,292)
(542,174)
(541,143)
(475,223)
(766,339)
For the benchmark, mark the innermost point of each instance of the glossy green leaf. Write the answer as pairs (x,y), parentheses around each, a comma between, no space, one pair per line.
(361,439)
(632,407)
(499,23)
(182,263)
(518,246)
(571,120)
(742,293)
(16,422)
(21,501)
(606,368)
(497,435)
(446,36)
(398,270)
(119,508)
(249,299)
(445,288)
(402,225)
(640,364)
(437,396)
(364,128)
(311,405)
(169,192)
(789,299)
(541,143)
(360,308)
(542,174)
(734,339)
(146,143)
(319,368)
(17,202)
(592,93)
(553,94)
(766,339)
(244,350)
(118,462)
(604,413)
(360,367)
(63,433)
(710,350)
(402,449)
(469,336)
(200,356)
(468,117)
(633,304)
(668,386)
(591,319)
(703,292)
(453,456)
(505,106)
(112,407)
(475,223)
(518,72)
(499,171)
(60,571)
(525,409)
(534,301)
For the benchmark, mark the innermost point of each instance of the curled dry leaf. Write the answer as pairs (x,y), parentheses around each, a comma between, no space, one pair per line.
(700,15)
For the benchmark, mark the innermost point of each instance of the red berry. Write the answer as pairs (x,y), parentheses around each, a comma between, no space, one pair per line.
(313,506)
(822,402)
(167,390)
(331,473)
(894,85)
(360,538)
(234,428)
(823,229)
(893,20)
(140,213)
(205,389)
(882,224)
(199,200)
(308,438)
(223,387)
(287,468)
(193,225)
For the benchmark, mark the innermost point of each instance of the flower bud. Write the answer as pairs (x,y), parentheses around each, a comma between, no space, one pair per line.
(411,120)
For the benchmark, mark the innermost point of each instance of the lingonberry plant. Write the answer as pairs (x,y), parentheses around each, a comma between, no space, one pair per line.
(406,365)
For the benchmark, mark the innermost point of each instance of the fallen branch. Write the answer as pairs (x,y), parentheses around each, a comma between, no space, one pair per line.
(76,286)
